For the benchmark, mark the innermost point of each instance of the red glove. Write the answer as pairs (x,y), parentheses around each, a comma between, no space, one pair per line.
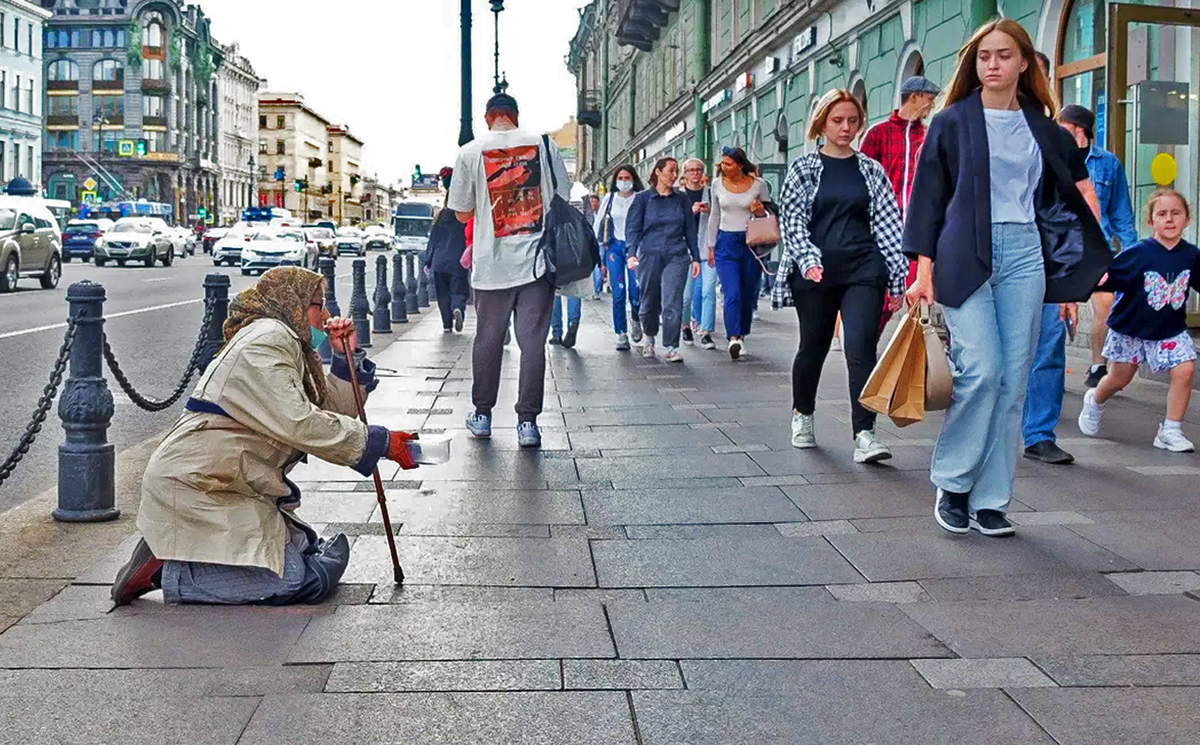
(398,449)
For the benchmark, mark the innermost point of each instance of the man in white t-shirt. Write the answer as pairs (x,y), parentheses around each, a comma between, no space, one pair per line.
(502,181)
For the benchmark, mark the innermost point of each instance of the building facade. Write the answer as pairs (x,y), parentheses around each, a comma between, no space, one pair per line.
(21,87)
(237,87)
(293,155)
(345,176)
(378,199)
(132,110)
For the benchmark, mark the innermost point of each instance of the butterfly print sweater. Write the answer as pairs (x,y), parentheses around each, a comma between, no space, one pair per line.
(1153,283)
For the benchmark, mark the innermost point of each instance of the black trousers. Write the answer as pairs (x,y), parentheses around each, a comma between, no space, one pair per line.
(452,291)
(817,309)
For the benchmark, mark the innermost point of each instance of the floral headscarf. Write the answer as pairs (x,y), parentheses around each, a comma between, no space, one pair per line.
(284,294)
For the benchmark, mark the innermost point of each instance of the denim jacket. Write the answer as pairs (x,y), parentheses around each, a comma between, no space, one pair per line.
(1112,191)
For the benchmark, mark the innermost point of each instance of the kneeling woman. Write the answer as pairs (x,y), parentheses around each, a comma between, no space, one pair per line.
(216,501)
(842,252)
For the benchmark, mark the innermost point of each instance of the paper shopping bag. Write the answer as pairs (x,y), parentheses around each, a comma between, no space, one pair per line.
(908,400)
(877,393)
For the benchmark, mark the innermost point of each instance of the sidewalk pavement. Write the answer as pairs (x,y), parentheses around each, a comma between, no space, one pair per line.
(667,569)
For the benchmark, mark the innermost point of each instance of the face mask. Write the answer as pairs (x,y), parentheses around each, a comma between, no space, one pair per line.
(625,186)
(318,336)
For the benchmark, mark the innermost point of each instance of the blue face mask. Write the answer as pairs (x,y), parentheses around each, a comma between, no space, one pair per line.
(318,336)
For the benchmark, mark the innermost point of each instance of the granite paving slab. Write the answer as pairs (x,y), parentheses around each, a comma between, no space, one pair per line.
(1156,583)
(1101,716)
(662,468)
(456,631)
(1119,671)
(650,437)
(527,562)
(783,676)
(783,628)
(388,592)
(476,530)
(816,527)
(450,503)
(880,592)
(717,562)
(1161,546)
(167,683)
(689,506)
(596,675)
(629,397)
(19,596)
(1150,624)
(65,718)
(580,718)
(640,415)
(838,457)
(1063,585)
(474,675)
(792,593)
(1008,672)
(692,532)
(337,507)
(851,501)
(479,462)
(887,556)
(1094,489)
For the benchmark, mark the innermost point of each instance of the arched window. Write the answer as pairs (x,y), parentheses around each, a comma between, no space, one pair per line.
(154,32)
(107,70)
(63,70)
(859,91)
(1084,42)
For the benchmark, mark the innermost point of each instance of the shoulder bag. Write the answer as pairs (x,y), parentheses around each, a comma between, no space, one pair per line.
(762,233)
(606,222)
(568,244)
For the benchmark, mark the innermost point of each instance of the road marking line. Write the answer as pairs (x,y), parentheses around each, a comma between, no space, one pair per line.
(107,316)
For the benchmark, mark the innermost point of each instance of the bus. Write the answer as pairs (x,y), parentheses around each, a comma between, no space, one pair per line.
(61,209)
(117,210)
(413,222)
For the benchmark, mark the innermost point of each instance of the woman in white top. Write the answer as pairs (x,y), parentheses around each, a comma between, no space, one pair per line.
(736,195)
(610,231)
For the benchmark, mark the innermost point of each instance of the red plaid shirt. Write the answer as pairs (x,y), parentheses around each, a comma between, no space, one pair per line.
(896,143)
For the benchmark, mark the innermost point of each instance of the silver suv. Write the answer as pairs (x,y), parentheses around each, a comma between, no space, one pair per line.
(30,243)
(135,239)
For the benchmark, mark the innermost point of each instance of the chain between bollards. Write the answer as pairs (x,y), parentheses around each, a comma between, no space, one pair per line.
(43,406)
(150,404)
(399,304)
(360,307)
(383,298)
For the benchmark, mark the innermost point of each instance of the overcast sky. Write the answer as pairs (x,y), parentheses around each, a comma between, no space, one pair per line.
(390,68)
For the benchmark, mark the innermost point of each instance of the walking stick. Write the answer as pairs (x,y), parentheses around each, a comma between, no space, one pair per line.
(397,572)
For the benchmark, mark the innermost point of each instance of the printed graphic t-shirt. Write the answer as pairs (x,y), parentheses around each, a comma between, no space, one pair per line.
(502,177)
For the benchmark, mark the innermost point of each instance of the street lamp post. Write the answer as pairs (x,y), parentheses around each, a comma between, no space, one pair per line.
(497,7)
(253,180)
(465,133)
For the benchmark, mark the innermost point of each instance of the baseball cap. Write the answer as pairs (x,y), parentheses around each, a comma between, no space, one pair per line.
(502,101)
(918,84)
(1079,116)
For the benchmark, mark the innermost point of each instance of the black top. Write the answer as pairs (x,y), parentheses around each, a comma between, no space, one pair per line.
(841,226)
(447,241)
(950,218)
(1153,282)
(695,197)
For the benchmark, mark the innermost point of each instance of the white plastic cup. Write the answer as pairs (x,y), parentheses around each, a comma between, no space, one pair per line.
(430,451)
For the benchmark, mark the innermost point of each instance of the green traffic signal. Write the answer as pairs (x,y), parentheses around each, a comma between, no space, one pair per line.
(141,148)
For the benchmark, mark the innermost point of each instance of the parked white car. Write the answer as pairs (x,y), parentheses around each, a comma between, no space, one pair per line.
(270,247)
(135,239)
(228,250)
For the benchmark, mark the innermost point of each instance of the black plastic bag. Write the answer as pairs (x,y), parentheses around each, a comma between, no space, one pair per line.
(568,243)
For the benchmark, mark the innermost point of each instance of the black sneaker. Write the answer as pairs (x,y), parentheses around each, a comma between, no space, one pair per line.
(950,511)
(568,339)
(555,341)
(687,336)
(1095,374)
(992,523)
(1048,451)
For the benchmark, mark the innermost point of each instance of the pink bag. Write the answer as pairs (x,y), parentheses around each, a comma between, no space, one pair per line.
(467,259)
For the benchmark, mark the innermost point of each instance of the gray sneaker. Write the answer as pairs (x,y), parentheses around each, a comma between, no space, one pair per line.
(622,342)
(804,435)
(635,328)
(867,449)
(648,348)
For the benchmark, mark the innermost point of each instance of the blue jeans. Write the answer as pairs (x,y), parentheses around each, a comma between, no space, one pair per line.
(740,274)
(574,313)
(597,280)
(704,296)
(620,277)
(992,339)
(1047,380)
(688,294)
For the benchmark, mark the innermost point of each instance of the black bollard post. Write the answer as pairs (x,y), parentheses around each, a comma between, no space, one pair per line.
(383,298)
(410,287)
(86,460)
(360,307)
(399,308)
(329,269)
(216,294)
(422,286)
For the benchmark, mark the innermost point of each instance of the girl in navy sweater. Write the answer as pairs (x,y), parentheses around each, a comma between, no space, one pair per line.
(1149,322)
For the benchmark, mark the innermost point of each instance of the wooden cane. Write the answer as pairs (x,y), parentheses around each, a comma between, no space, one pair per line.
(397,572)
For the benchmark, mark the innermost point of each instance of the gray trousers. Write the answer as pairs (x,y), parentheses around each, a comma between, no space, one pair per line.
(660,284)
(530,307)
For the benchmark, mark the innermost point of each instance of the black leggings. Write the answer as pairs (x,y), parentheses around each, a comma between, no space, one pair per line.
(817,309)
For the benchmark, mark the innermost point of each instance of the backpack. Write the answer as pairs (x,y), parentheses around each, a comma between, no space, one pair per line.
(568,244)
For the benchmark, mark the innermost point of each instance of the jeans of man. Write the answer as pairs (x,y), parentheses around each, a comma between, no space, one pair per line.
(597,280)
(740,274)
(621,278)
(704,297)
(1047,379)
(574,313)
(992,339)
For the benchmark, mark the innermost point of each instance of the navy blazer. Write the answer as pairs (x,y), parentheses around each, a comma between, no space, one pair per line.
(950,218)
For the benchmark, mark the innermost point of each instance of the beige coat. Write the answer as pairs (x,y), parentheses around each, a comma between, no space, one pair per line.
(210,489)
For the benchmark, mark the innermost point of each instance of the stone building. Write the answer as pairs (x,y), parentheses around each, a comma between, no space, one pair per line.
(378,199)
(345,176)
(21,88)
(131,103)
(237,85)
(293,145)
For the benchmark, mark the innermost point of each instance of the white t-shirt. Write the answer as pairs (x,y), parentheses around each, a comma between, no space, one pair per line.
(502,177)
(620,210)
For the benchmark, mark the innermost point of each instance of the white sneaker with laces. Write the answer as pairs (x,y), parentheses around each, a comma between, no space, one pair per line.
(735,348)
(867,449)
(672,355)
(622,342)
(804,436)
(1089,417)
(648,348)
(1172,440)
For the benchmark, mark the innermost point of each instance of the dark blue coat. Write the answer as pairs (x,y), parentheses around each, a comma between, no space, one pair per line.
(950,216)
(447,241)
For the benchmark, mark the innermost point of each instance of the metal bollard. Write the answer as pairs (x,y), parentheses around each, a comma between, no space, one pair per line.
(329,269)
(86,460)
(360,307)
(399,309)
(216,293)
(410,289)
(422,286)
(383,298)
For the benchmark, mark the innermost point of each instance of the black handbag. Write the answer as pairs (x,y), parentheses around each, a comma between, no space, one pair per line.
(568,244)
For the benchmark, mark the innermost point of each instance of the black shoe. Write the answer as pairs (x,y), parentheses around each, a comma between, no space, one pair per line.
(1047,451)
(568,339)
(687,336)
(951,512)
(992,523)
(555,341)
(1095,374)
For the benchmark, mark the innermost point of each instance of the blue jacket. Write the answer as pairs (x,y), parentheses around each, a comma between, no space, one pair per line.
(447,242)
(1112,191)
(661,225)
(951,221)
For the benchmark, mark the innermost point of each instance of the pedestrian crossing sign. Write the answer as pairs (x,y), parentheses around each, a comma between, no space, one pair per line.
(89,197)
(125,148)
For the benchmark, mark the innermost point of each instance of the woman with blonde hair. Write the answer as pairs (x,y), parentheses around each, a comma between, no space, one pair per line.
(841,233)
(1005,221)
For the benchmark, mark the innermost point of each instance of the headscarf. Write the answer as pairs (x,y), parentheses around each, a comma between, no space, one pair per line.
(284,294)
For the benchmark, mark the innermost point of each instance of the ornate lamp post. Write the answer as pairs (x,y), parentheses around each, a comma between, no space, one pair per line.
(497,8)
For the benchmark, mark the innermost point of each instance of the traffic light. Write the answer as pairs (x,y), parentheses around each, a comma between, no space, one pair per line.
(142,148)
(299,185)
(327,189)
(201,212)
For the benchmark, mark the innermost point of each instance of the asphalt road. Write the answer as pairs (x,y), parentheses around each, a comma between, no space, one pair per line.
(153,338)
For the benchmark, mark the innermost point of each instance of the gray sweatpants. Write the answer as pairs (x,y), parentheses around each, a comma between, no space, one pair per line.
(660,284)
(530,307)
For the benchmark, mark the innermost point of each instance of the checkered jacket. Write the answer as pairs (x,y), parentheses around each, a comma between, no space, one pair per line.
(795,211)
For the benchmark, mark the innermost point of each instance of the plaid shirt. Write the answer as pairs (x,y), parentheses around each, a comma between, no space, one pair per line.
(795,212)
(896,144)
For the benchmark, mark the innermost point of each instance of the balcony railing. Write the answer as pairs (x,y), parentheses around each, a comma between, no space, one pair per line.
(163,86)
(154,121)
(62,85)
(63,120)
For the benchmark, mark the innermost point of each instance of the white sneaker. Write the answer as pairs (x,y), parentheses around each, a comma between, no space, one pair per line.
(672,355)
(622,342)
(803,434)
(867,449)
(1089,418)
(648,348)
(735,348)
(1173,440)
